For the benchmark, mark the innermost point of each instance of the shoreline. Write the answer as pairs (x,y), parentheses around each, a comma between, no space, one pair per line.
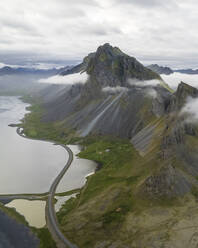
(50,212)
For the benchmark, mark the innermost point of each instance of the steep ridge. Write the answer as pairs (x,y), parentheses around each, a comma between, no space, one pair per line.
(172,139)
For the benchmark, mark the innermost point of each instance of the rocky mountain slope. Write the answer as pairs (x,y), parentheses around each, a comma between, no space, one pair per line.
(150,200)
(117,99)
(126,118)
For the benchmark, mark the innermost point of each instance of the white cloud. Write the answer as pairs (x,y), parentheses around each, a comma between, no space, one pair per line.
(175,79)
(191,108)
(146,86)
(145,83)
(2,65)
(152,93)
(148,91)
(114,90)
(76,78)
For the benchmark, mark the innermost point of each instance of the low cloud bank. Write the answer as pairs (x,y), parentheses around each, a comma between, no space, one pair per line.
(175,79)
(191,108)
(76,78)
(147,86)
(114,90)
(145,83)
(152,93)
(149,92)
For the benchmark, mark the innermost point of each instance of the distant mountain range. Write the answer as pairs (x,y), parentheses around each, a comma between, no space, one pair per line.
(160,69)
(167,70)
(7,70)
(187,71)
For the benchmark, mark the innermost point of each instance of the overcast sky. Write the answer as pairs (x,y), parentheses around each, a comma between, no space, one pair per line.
(161,31)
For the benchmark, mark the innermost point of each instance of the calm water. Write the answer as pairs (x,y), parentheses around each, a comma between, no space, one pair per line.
(26,166)
(61,201)
(75,177)
(30,166)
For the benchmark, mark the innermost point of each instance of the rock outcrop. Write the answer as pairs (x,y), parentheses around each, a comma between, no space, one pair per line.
(109,66)
(179,98)
(167,182)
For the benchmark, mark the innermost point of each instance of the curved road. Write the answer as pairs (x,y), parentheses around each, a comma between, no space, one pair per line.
(50,211)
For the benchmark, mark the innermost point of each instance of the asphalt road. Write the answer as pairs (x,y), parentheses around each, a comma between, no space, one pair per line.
(50,211)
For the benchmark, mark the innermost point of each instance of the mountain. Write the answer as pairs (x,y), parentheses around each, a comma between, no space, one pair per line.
(112,94)
(7,70)
(145,139)
(167,70)
(187,71)
(109,66)
(160,69)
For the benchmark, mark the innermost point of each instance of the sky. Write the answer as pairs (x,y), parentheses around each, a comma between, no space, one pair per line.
(64,31)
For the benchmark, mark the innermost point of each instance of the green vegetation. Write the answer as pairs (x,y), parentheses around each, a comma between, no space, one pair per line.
(166,86)
(35,128)
(45,238)
(194,192)
(102,207)
(67,193)
(66,208)
(113,155)
(14,214)
(108,196)
(103,57)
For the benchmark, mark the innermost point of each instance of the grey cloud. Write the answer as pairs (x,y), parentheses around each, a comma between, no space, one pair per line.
(151,30)
(145,3)
(148,3)
(94,3)
(100,30)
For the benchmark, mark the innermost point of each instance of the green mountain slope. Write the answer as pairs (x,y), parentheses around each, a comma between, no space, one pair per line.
(145,192)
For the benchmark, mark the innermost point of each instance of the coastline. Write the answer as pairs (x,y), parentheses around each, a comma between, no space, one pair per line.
(50,212)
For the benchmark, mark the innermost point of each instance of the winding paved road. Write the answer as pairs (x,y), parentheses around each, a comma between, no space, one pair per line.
(50,211)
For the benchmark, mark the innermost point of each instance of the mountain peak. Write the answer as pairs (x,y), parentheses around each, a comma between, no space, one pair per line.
(109,66)
(185,90)
(179,98)
(109,50)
